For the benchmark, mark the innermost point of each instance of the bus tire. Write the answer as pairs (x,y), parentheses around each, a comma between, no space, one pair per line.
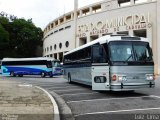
(69,78)
(43,74)
(51,76)
(20,75)
(12,74)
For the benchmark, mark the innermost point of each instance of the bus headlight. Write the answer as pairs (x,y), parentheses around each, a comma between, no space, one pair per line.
(149,77)
(122,78)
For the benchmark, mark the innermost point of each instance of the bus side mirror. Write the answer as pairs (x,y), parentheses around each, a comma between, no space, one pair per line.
(151,51)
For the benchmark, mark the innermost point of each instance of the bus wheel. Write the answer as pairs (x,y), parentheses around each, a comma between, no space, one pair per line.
(43,74)
(20,75)
(69,79)
(51,76)
(12,74)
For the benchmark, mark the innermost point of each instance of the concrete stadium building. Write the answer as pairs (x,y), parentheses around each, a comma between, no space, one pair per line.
(80,26)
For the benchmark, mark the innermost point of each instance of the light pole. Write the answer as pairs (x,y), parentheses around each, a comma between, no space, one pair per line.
(75,20)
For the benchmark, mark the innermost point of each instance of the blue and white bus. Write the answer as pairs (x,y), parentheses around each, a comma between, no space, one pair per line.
(112,62)
(31,66)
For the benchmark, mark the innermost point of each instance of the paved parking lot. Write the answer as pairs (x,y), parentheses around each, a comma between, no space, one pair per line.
(86,104)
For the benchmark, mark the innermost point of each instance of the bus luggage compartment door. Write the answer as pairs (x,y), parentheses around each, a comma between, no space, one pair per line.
(100,77)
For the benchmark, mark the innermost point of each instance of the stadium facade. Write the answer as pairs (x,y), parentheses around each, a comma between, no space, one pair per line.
(83,25)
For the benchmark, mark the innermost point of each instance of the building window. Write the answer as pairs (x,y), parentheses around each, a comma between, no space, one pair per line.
(94,37)
(67,27)
(50,48)
(55,56)
(60,45)
(82,41)
(61,29)
(55,31)
(140,33)
(123,33)
(47,49)
(67,43)
(55,46)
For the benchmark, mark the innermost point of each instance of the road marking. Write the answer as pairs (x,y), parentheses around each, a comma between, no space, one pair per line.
(118,111)
(63,87)
(68,90)
(25,85)
(155,96)
(53,84)
(106,99)
(79,94)
(55,106)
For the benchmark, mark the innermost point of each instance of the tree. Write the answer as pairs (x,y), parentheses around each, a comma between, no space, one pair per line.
(22,37)
(4,42)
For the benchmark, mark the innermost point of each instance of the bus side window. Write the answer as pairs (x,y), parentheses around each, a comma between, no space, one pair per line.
(99,54)
(49,64)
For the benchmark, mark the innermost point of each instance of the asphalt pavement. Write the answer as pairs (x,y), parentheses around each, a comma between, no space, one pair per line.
(80,102)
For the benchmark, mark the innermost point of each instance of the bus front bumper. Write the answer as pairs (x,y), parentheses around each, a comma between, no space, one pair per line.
(129,86)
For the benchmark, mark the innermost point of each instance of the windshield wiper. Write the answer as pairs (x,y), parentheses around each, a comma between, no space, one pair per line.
(129,57)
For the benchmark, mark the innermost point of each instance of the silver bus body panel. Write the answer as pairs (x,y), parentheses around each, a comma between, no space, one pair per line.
(136,77)
(79,74)
(100,70)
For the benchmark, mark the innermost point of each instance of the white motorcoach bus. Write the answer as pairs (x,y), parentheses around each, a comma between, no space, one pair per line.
(112,62)
(31,66)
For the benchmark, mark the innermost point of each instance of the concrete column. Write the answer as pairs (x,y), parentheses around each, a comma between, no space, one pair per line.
(80,13)
(90,10)
(72,14)
(75,21)
(100,35)
(157,41)
(77,42)
(58,21)
(149,0)
(116,5)
(57,56)
(150,37)
(64,18)
(131,33)
(132,2)
(88,39)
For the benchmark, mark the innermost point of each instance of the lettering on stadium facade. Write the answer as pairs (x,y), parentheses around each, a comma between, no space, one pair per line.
(124,23)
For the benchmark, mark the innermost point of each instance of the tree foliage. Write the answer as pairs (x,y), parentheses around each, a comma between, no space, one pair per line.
(19,37)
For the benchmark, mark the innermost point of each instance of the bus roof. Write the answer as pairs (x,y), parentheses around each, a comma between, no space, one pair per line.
(28,59)
(107,39)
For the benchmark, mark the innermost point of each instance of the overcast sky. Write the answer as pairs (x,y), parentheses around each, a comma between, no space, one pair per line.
(41,11)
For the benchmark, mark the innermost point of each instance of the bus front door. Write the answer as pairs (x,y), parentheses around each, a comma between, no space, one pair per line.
(100,77)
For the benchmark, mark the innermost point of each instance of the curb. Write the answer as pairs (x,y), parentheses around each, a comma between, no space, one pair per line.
(66,113)
(55,106)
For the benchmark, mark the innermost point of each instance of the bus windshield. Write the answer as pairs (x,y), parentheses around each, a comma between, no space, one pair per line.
(56,64)
(134,51)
